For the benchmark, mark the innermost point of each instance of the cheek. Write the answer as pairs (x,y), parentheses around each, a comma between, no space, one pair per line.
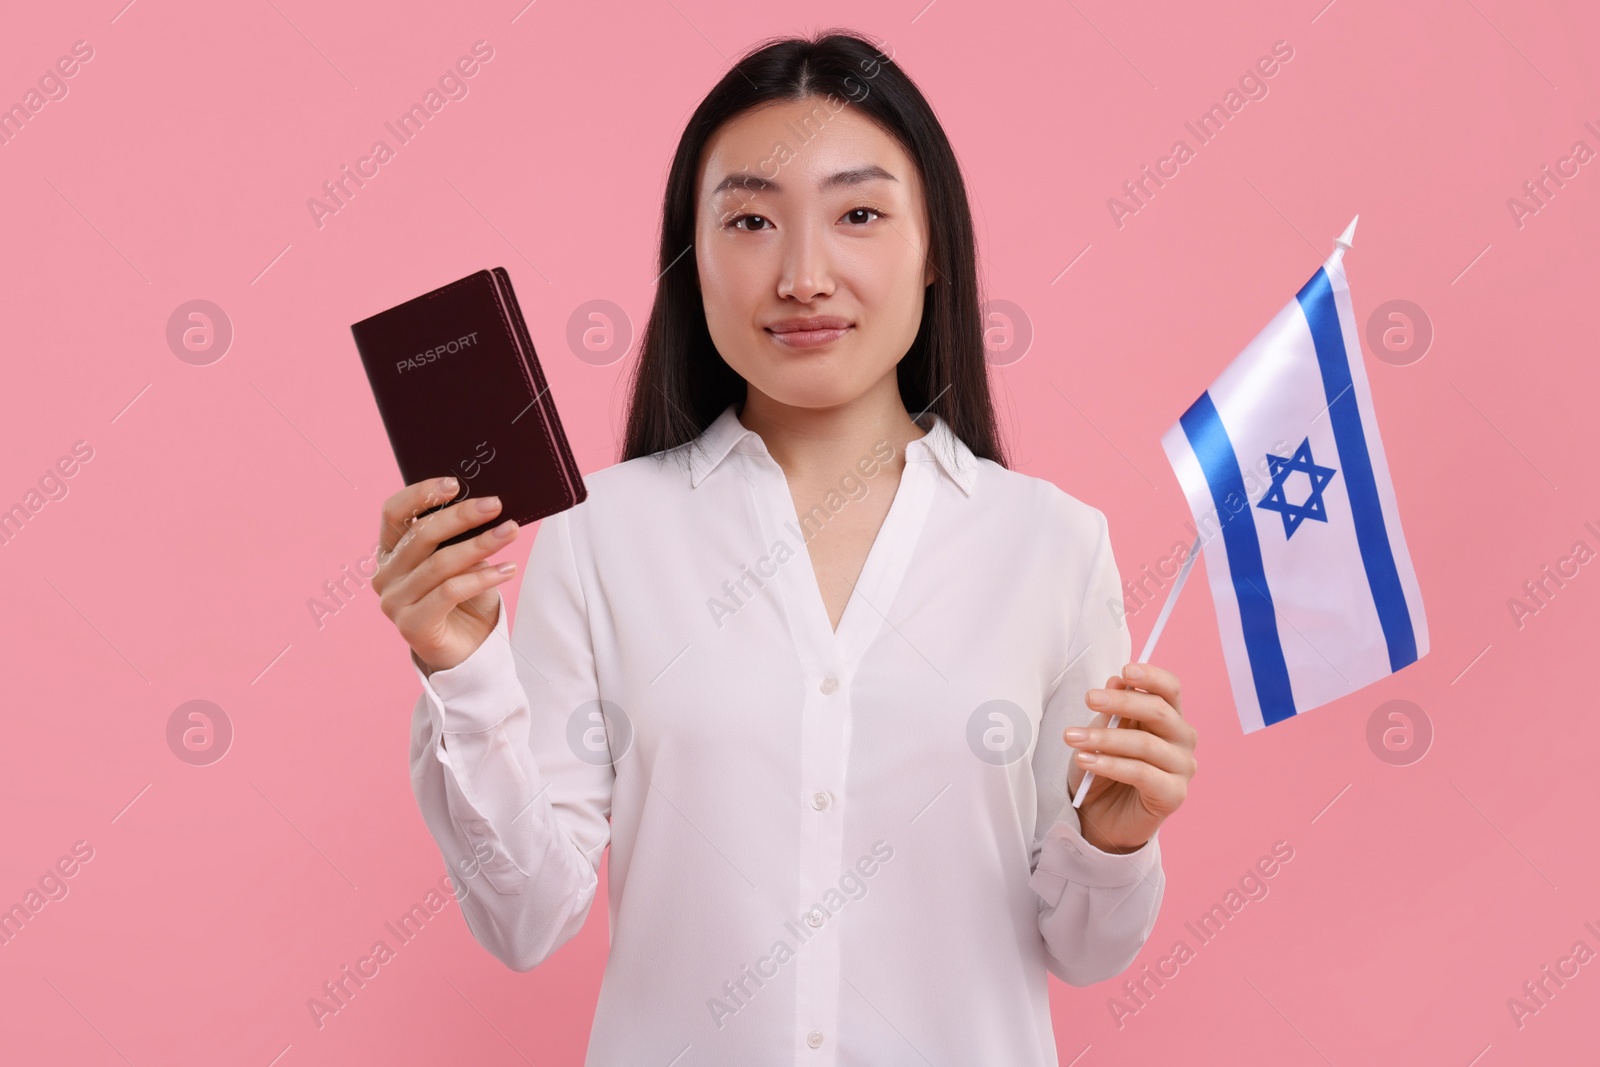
(732,292)
(890,288)
(727,307)
(888,265)
(729,284)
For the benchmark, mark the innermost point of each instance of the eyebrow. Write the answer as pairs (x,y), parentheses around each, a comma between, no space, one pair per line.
(853,176)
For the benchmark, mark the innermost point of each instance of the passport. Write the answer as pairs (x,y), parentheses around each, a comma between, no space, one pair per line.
(461,392)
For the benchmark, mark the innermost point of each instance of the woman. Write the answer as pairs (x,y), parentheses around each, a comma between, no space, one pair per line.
(810,658)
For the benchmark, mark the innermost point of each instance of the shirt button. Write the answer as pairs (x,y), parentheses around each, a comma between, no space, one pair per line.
(829,684)
(814,1039)
(820,800)
(814,917)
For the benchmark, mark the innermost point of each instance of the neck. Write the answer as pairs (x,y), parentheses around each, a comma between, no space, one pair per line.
(820,442)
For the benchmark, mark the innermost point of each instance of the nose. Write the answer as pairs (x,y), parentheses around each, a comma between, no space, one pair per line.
(807,272)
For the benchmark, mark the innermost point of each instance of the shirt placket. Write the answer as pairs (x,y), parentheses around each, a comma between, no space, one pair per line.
(829,660)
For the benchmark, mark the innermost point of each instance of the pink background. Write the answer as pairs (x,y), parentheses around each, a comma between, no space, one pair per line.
(221,497)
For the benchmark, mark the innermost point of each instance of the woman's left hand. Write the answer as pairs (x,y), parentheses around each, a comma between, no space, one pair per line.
(1142,768)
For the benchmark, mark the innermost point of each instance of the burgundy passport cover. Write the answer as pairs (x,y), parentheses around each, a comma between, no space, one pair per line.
(461,393)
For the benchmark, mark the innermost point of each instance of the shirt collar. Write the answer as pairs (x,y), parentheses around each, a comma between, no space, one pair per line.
(726,431)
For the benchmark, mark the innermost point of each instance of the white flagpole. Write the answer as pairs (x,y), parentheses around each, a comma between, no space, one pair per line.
(1149,646)
(1341,244)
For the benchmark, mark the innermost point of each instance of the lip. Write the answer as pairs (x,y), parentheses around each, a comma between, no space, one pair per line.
(810,332)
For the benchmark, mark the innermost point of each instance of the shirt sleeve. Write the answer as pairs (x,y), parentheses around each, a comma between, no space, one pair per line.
(1096,908)
(520,813)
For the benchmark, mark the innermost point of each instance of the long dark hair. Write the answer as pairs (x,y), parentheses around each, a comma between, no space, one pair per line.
(681,383)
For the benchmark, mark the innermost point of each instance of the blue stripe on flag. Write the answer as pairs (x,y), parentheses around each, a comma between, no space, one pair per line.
(1316,300)
(1209,439)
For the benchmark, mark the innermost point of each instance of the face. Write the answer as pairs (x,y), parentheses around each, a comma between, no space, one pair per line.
(833,229)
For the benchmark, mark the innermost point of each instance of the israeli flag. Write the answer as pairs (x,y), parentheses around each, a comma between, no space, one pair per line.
(1286,478)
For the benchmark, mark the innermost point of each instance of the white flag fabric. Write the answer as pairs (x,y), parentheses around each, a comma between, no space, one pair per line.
(1286,478)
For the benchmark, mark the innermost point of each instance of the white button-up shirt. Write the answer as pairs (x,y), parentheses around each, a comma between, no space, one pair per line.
(830,849)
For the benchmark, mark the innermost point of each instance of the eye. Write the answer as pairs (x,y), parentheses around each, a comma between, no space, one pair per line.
(733,223)
(867,210)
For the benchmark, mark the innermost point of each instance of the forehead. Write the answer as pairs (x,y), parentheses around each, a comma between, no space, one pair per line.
(797,144)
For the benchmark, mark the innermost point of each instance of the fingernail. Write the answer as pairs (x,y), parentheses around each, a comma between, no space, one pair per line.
(488,504)
(1086,757)
(1097,698)
(506,568)
(505,528)
(448,486)
(1133,672)
(1076,733)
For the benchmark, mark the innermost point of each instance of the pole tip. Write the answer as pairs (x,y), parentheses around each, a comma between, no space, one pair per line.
(1343,241)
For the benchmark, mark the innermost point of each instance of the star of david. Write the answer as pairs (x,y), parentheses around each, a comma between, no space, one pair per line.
(1277,500)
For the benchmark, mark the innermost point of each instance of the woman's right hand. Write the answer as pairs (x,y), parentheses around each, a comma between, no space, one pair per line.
(443,602)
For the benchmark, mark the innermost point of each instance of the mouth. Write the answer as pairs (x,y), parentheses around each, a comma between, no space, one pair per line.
(809,333)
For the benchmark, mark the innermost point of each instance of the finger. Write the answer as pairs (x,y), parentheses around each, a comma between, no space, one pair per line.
(1136,744)
(1147,710)
(401,508)
(1075,772)
(1116,682)
(429,612)
(1100,721)
(426,532)
(480,565)
(1185,732)
(1160,788)
(448,562)
(1157,680)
